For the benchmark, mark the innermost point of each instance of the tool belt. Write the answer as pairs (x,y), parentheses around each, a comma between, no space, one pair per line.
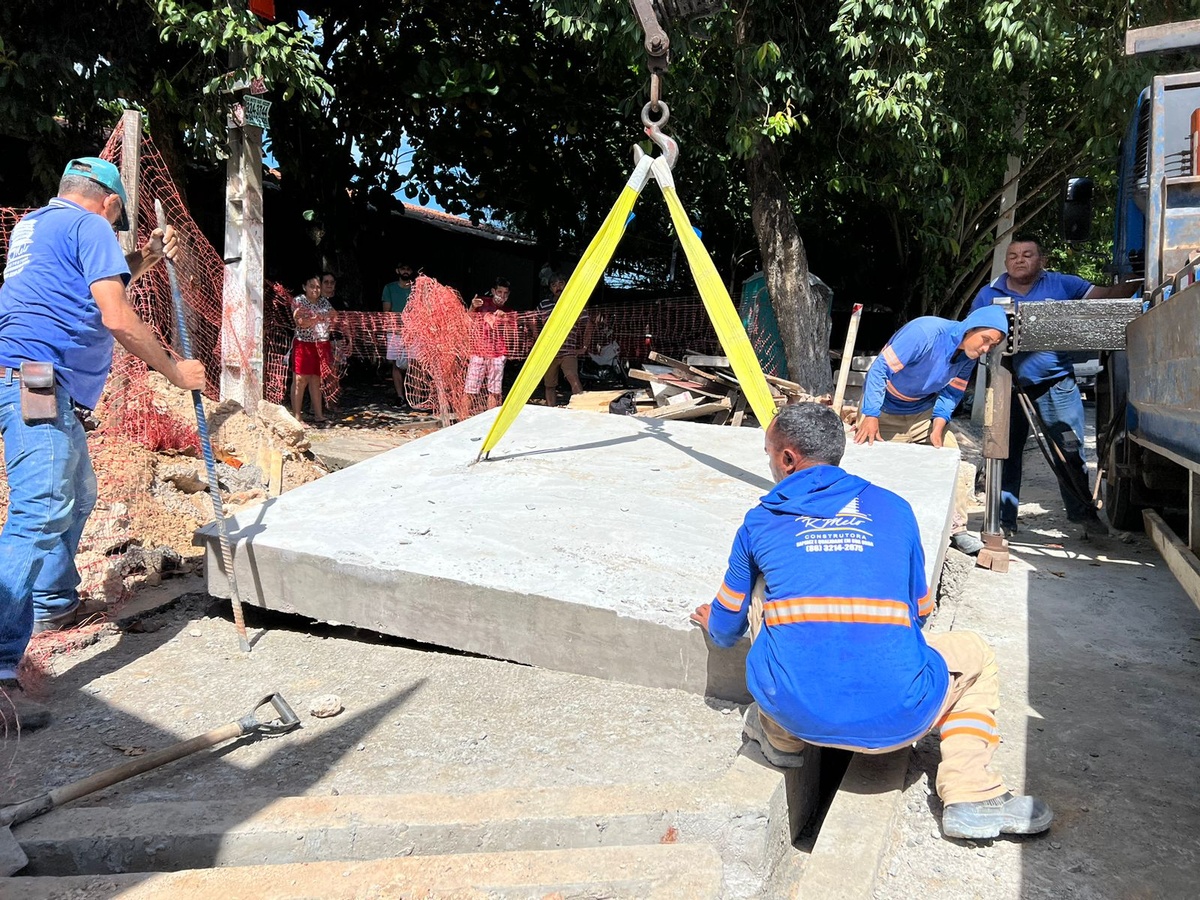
(38,400)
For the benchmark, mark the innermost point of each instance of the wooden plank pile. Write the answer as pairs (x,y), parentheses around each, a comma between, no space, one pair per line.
(698,388)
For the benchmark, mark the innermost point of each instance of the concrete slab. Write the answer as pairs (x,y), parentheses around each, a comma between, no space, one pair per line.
(666,872)
(581,546)
(339,448)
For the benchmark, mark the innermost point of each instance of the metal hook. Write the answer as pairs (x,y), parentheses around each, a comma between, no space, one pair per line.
(664,142)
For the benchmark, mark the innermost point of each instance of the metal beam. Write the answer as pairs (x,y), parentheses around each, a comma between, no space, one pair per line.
(1157,38)
(1073,324)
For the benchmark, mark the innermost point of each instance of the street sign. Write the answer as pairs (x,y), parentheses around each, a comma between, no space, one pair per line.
(256,110)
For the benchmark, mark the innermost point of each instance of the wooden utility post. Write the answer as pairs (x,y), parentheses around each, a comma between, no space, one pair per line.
(242,319)
(131,167)
(1005,223)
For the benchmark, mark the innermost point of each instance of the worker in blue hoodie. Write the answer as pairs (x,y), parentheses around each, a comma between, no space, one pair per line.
(914,385)
(828,575)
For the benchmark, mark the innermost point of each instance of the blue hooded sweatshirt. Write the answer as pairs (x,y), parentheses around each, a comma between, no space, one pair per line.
(922,368)
(840,659)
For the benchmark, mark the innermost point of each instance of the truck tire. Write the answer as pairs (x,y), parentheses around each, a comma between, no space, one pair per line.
(1120,507)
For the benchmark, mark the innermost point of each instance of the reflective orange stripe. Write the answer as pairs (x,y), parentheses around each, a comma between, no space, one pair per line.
(855,610)
(958,384)
(925,605)
(977,724)
(731,600)
(890,357)
(964,731)
(895,393)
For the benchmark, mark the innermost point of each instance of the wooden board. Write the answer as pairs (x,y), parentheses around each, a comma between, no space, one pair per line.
(717,362)
(594,401)
(708,388)
(691,411)
(1175,553)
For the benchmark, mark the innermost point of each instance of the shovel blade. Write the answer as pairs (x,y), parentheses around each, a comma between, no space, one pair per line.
(12,857)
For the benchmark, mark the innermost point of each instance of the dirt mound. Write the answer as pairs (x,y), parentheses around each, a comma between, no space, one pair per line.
(151,501)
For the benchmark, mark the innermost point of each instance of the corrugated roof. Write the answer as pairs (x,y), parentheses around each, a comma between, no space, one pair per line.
(445,220)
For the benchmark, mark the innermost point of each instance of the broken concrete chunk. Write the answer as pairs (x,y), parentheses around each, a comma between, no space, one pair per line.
(184,477)
(325,707)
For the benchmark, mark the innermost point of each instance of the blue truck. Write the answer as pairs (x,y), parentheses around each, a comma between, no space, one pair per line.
(1148,394)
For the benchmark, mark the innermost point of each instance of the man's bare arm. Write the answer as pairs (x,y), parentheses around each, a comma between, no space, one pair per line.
(135,336)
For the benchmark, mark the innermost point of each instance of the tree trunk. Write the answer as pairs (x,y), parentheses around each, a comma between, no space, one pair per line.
(802,314)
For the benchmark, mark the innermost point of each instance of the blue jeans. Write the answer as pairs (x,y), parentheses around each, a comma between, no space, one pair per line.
(1061,408)
(52,490)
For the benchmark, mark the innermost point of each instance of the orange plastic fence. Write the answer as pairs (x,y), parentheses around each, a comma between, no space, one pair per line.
(439,332)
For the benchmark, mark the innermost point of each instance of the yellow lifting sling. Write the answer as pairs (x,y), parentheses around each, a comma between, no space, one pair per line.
(734,340)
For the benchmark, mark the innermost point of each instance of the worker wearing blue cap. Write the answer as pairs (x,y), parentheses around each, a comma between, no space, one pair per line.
(62,304)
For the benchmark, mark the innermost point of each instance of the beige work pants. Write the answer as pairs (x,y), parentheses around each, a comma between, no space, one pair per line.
(966,723)
(915,429)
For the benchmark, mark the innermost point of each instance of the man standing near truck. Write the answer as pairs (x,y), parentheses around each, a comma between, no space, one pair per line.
(1046,376)
(62,303)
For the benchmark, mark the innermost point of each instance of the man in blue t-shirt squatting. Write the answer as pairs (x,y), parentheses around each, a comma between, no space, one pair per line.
(1046,376)
(63,302)
(828,575)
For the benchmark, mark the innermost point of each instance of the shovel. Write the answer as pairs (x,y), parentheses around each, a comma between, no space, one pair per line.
(13,858)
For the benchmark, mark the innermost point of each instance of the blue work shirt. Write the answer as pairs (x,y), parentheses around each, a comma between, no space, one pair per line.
(47,312)
(1039,366)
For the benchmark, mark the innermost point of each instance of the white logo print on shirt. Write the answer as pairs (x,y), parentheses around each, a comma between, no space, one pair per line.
(18,247)
(845,532)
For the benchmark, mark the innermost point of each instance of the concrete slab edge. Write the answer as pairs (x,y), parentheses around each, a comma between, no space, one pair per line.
(524,628)
(662,872)
(845,860)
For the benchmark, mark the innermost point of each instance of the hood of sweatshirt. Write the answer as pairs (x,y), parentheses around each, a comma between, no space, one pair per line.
(984,317)
(820,492)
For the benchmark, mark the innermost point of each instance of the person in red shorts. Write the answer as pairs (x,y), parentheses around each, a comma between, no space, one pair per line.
(311,352)
(491,330)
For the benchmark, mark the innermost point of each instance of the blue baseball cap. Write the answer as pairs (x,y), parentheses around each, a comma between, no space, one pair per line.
(105,174)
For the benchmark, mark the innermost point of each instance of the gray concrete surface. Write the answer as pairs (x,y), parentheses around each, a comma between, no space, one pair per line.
(742,814)
(663,872)
(461,753)
(581,546)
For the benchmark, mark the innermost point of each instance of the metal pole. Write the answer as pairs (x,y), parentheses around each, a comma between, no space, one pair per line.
(998,400)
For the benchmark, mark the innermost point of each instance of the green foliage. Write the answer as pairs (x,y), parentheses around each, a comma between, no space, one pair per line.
(945,92)
(232,49)
(67,71)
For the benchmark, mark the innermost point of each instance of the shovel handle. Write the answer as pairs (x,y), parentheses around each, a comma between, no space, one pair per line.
(21,812)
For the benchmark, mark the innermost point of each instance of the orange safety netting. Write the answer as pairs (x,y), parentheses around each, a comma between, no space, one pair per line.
(436,329)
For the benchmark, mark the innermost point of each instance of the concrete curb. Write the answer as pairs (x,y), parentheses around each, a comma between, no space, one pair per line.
(743,815)
(845,860)
(654,873)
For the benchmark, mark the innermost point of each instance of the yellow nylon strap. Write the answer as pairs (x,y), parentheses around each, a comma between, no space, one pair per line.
(732,335)
(569,306)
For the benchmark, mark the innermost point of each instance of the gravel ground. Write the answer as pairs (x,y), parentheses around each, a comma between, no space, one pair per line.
(415,719)
(1098,656)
